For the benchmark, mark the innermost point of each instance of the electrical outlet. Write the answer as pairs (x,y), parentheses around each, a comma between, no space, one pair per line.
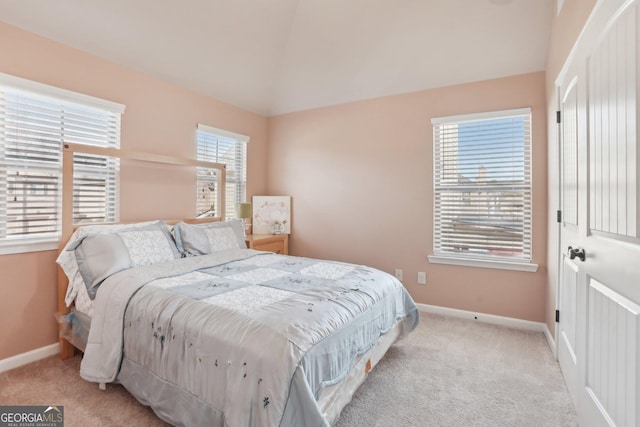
(399,274)
(422,278)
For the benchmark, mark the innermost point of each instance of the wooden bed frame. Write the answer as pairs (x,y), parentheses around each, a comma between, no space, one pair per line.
(67,349)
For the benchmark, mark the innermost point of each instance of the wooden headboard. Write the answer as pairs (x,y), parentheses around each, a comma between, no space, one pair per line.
(66,348)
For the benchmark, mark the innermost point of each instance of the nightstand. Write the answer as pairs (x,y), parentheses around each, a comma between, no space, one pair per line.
(278,243)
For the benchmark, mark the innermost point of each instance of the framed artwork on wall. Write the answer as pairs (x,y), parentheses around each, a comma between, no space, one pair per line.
(271,214)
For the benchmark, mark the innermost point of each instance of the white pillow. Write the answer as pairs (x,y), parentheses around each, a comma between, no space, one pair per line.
(104,254)
(210,237)
(67,259)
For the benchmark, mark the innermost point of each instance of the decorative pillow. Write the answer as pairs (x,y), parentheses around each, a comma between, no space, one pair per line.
(203,239)
(101,255)
(68,257)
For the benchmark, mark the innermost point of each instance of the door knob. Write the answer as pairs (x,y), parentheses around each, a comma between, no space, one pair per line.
(577,252)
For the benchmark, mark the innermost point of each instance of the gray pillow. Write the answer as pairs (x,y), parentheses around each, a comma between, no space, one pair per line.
(210,237)
(103,254)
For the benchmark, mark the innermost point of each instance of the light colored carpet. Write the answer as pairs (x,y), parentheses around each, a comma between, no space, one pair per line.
(448,372)
(456,372)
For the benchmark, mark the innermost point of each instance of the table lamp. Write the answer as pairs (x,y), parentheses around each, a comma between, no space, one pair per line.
(243,210)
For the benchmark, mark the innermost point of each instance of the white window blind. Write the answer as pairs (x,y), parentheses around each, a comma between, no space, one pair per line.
(35,120)
(230,149)
(95,188)
(482,186)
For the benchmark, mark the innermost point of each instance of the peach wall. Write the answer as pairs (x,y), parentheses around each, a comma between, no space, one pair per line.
(160,117)
(360,175)
(28,299)
(565,29)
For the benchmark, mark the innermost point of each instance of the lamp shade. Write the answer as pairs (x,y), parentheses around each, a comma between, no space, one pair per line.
(243,210)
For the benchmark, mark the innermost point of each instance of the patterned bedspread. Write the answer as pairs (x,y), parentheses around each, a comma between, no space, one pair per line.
(250,338)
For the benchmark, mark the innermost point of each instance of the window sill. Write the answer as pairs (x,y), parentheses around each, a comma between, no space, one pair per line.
(25,246)
(482,263)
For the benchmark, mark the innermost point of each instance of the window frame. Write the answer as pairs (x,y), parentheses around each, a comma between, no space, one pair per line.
(482,260)
(240,184)
(46,93)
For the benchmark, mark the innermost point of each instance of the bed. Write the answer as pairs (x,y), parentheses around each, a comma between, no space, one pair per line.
(208,332)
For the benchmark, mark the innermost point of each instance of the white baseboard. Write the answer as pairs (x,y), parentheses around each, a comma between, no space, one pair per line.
(485,318)
(550,341)
(28,357)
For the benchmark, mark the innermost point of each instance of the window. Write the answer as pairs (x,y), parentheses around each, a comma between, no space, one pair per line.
(35,120)
(230,149)
(482,189)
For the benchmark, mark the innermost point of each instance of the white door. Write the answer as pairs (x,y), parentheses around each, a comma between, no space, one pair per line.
(599,284)
(568,281)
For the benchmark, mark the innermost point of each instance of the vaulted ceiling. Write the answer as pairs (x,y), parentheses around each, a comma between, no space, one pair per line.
(278,56)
